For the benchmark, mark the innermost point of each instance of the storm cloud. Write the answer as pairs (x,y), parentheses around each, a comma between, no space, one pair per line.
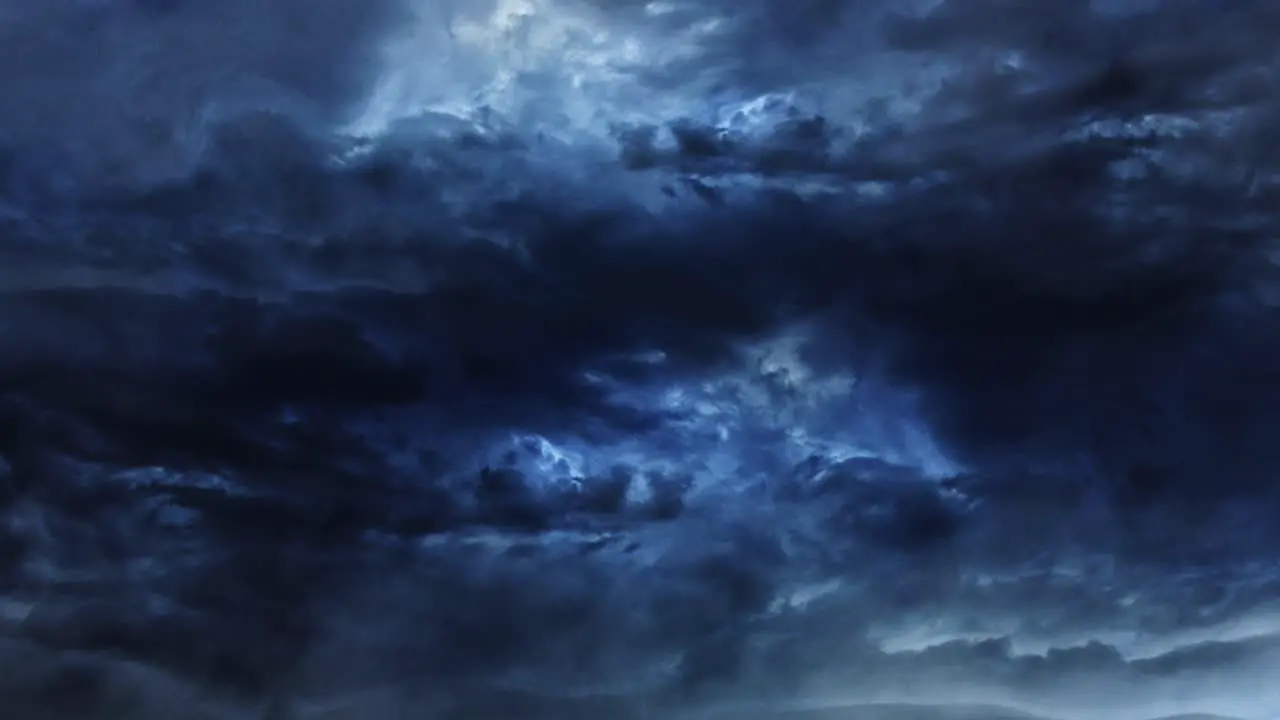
(561,358)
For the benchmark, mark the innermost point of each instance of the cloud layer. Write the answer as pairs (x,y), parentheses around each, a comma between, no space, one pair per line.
(556,358)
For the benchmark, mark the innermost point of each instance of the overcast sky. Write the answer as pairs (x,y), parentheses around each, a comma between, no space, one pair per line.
(550,358)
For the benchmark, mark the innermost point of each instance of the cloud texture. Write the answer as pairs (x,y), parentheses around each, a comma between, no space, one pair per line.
(563,358)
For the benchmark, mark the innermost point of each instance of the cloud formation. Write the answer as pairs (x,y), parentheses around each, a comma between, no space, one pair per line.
(557,358)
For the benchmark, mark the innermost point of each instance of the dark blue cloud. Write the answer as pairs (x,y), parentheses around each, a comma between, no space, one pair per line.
(557,359)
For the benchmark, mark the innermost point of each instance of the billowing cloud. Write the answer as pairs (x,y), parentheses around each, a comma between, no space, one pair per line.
(559,358)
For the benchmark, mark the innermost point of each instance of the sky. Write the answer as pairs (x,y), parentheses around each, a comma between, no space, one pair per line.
(505,359)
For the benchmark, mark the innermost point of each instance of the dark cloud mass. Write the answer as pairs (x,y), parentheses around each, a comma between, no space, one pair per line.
(575,359)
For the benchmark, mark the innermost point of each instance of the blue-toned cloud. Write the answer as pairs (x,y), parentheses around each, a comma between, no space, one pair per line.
(552,358)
